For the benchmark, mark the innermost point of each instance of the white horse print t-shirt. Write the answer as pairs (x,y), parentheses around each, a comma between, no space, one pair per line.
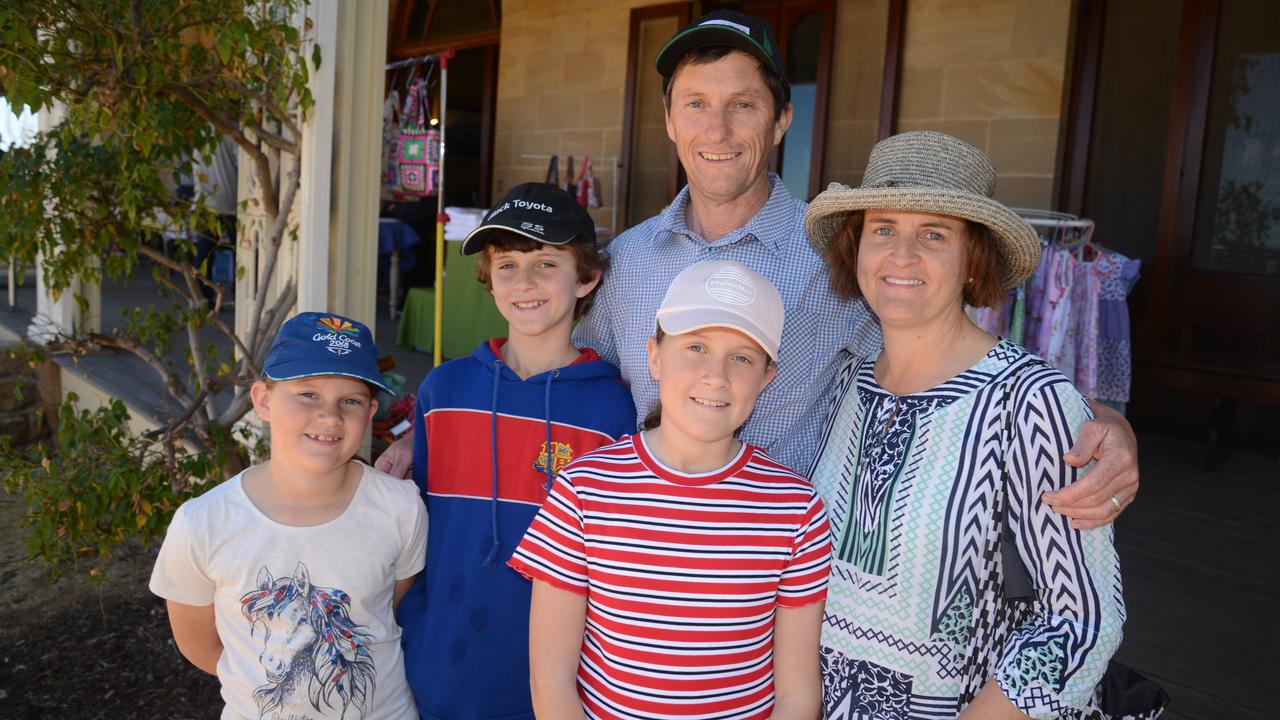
(304,613)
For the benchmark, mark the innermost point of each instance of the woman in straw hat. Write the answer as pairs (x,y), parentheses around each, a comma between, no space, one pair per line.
(935,457)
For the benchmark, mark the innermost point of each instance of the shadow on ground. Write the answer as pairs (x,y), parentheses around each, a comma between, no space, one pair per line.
(72,649)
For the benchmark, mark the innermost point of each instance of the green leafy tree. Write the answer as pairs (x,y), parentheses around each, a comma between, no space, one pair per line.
(1242,226)
(144,85)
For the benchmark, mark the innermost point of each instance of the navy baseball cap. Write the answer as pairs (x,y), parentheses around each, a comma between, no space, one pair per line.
(312,344)
(730,28)
(537,211)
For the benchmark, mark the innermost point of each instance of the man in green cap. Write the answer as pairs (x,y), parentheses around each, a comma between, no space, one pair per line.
(727,102)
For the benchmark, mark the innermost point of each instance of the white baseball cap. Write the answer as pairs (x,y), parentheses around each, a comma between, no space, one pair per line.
(724,294)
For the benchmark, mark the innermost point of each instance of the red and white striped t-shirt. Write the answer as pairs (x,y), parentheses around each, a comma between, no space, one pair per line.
(682,574)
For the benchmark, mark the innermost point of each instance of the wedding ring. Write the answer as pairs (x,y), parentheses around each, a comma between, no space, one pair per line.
(1115,502)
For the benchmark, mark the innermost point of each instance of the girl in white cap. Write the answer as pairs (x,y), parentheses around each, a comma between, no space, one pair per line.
(680,572)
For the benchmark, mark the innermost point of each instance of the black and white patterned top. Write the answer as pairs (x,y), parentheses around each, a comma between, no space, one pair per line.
(915,621)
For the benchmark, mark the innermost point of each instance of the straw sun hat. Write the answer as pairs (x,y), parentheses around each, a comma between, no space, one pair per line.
(931,172)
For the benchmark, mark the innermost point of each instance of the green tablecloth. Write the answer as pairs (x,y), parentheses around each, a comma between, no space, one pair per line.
(469,313)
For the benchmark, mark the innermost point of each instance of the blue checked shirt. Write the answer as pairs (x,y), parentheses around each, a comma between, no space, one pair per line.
(643,261)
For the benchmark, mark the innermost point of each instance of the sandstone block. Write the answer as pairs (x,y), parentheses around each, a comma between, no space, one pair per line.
(1024,146)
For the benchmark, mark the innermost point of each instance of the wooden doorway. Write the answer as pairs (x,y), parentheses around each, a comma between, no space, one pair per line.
(472,29)
(1219,237)
(1183,170)
(650,173)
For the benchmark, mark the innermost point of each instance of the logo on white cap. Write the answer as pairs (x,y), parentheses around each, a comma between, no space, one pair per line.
(731,286)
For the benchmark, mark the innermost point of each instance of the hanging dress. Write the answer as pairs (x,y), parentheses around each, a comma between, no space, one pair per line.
(1115,353)
(1085,288)
(1056,332)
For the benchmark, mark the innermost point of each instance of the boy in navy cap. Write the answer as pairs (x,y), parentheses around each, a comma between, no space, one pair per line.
(282,581)
(490,433)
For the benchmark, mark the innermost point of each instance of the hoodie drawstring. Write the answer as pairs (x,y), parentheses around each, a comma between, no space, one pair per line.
(546,414)
(493,442)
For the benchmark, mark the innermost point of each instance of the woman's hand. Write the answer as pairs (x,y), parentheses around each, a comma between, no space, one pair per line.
(397,459)
(1098,497)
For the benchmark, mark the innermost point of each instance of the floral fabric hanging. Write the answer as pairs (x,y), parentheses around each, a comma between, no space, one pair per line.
(391,143)
(419,156)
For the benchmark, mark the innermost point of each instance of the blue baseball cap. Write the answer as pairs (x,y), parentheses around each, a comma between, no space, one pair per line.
(312,344)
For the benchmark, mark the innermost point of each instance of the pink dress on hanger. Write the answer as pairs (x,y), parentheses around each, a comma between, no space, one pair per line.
(1085,290)
(1057,332)
(1036,309)
(995,320)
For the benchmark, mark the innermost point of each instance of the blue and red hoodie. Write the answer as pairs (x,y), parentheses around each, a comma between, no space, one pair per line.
(486,446)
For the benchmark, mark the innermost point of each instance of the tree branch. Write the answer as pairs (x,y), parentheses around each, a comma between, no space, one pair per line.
(193,341)
(266,102)
(273,317)
(262,164)
(240,405)
(281,223)
(214,317)
(161,366)
(177,423)
(168,374)
(276,141)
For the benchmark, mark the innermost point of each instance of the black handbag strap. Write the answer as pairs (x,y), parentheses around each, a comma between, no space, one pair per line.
(1004,583)
(1123,693)
(1015,578)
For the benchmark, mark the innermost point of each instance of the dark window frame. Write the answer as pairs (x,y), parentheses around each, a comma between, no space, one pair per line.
(682,12)
(1180,301)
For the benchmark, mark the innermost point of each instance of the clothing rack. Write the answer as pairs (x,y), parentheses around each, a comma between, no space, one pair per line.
(409,62)
(1087,337)
(1036,213)
(1053,219)
(1058,221)
(1050,222)
(613,189)
(1038,218)
(442,58)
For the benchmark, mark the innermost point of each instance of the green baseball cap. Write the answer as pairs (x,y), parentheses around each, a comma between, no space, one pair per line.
(729,28)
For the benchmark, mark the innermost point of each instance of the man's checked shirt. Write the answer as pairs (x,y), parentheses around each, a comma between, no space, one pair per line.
(645,259)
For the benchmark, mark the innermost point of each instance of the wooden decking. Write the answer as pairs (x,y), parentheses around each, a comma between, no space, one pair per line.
(1200,553)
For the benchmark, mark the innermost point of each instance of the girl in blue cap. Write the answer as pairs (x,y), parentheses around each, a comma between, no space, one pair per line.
(282,581)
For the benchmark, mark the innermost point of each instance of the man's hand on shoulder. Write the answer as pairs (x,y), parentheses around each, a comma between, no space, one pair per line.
(1099,497)
(397,459)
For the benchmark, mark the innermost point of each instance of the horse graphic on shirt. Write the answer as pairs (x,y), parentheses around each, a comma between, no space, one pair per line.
(312,651)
